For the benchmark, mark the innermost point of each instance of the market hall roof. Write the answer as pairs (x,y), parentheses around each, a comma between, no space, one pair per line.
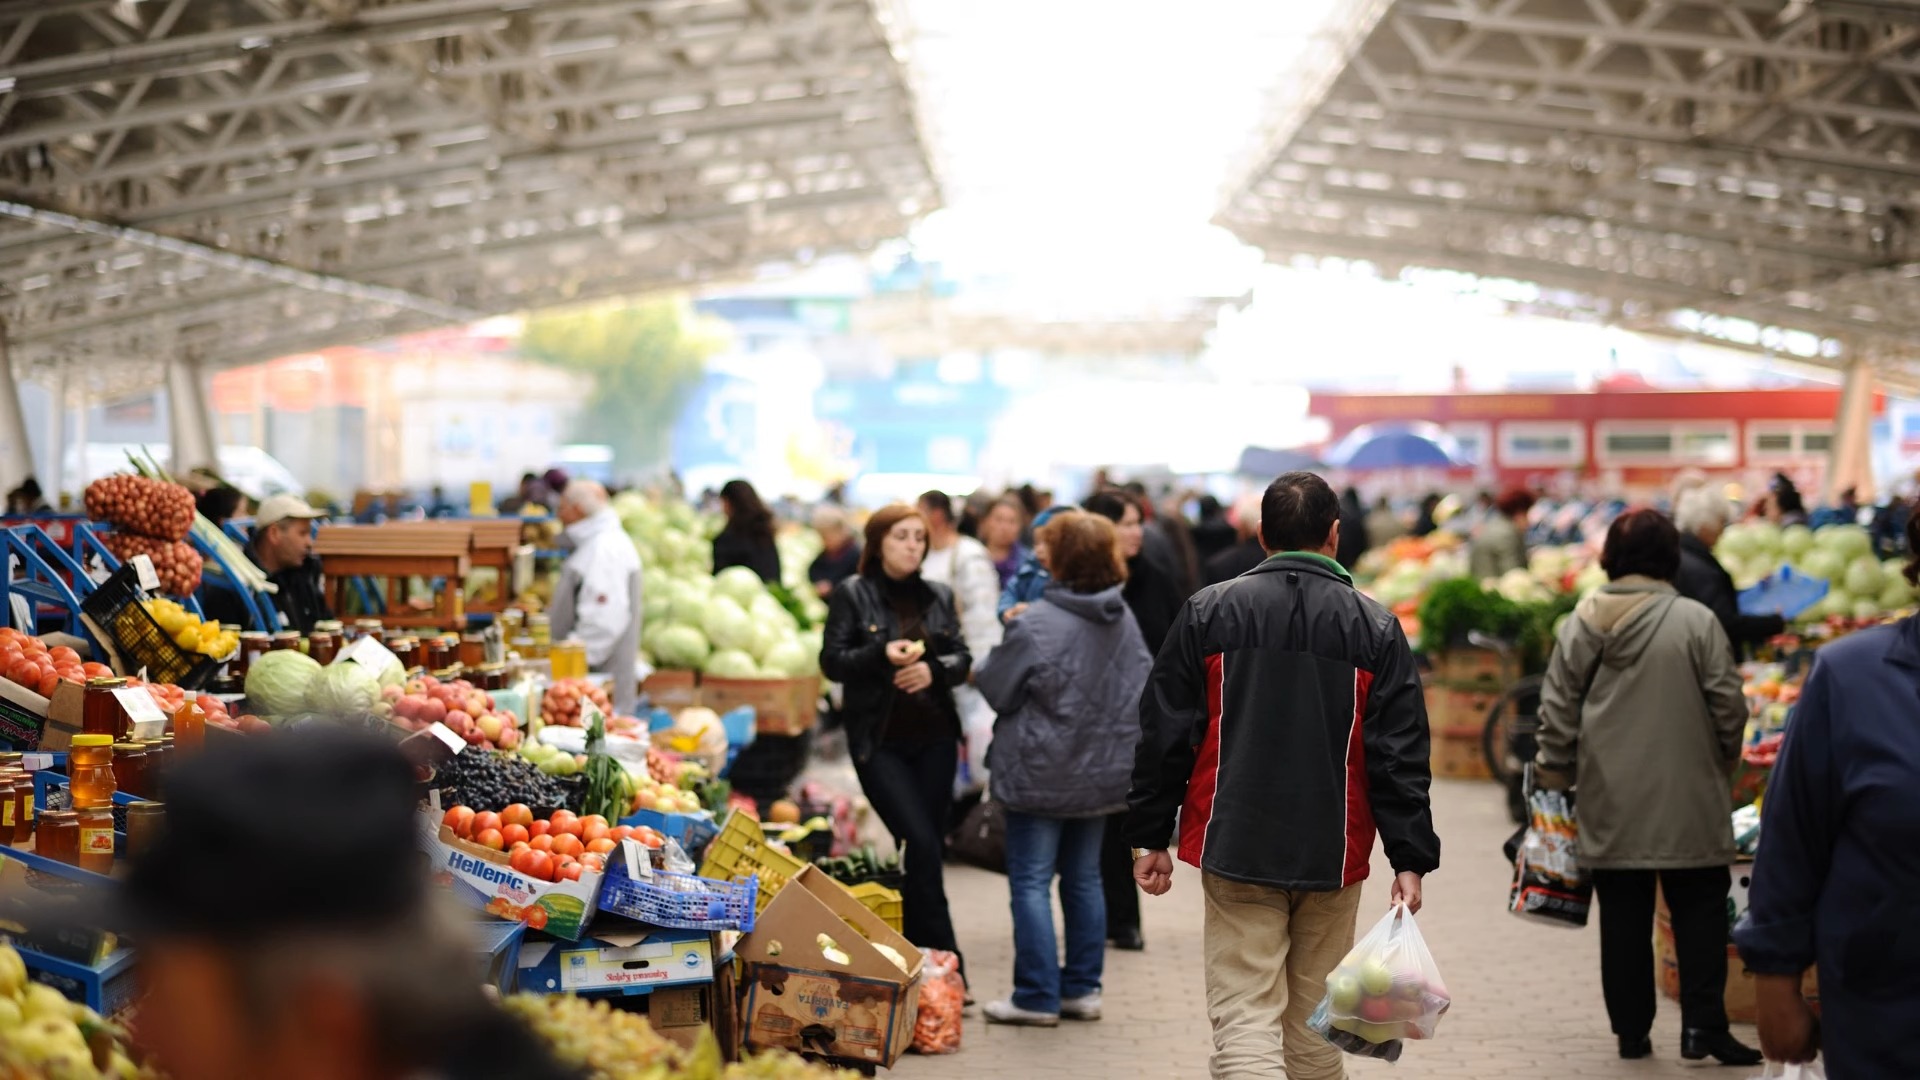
(1658,163)
(231,180)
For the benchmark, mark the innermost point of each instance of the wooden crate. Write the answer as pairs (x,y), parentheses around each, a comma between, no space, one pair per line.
(1741,994)
(1472,667)
(1453,709)
(393,553)
(781,706)
(672,689)
(1456,755)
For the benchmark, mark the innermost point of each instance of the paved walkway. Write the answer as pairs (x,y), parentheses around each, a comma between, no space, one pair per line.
(1527,997)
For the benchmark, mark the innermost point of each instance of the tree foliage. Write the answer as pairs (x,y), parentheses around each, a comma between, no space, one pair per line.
(645,359)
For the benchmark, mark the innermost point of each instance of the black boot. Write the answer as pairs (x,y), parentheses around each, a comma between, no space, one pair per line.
(1698,1045)
(1633,1049)
(1127,938)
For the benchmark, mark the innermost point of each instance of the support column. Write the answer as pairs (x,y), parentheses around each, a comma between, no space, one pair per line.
(190,420)
(53,476)
(16,453)
(1851,462)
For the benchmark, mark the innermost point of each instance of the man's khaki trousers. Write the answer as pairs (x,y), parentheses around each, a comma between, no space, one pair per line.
(1269,952)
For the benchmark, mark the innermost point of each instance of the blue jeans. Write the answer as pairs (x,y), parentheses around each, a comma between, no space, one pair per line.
(1037,849)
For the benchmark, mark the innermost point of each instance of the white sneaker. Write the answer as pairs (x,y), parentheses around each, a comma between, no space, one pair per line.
(1006,1012)
(1081,1008)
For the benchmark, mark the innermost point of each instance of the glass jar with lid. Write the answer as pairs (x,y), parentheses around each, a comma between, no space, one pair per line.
(23,820)
(56,836)
(90,770)
(253,645)
(144,821)
(100,710)
(96,839)
(285,639)
(9,807)
(473,650)
(367,628)
(130,768)
(439,652)
(323,646)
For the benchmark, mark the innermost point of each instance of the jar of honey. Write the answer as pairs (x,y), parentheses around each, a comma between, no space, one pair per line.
(130,768)
(409,650)
(253,645)
(101,712)
(9,807)
(368,628)
(286,639)
(473,650)
(323,646)
(493,677)
(23,811)
(90,771)
(144,821)
(96,839)
(56,836)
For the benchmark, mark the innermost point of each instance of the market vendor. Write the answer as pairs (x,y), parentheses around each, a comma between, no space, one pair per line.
(282,546)
(1702,515)
(598,596)
(317,952)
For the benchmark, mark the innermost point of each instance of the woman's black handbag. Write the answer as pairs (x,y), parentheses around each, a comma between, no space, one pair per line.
(981,839)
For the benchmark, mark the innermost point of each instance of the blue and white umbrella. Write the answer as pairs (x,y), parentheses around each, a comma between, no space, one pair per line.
(1378,447)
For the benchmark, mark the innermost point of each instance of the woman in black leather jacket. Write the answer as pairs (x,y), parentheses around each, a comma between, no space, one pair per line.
(893,642)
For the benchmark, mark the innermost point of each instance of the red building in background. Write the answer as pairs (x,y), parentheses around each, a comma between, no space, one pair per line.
(1623,436)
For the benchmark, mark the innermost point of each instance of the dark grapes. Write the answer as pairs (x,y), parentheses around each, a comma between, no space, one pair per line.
(490,780)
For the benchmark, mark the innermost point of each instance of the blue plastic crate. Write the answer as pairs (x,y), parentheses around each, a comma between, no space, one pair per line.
(1785,593)
(500,943)
(106,989)
(679,901)
(693,831)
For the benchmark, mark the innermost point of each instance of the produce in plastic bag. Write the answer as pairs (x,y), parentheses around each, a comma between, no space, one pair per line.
(1386,989)
(943,994)
(1548,883)
(1776,1071)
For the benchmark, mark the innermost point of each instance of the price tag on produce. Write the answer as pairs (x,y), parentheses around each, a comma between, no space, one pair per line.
(143,572)
(446,735)
(145,716)
(369,653)
(639,861)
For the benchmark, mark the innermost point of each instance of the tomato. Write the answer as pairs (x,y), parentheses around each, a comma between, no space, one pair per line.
(484,820)
(595,863)
(515,834)
(63,655)
(591,820)
(565,821)
(540,828)
(490,838)
(460,820)
(96,671)
(569,872)
(619,833)
(535,917)
(593,830)
(517,814)
(519,859)
(537,864)
(541,843)
(568,844)
(600,846)
(651,839)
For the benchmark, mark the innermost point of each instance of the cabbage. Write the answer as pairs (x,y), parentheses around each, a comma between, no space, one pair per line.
(688,608)
(1795,540)
(1849,542)
(767,636)
(392,673)
(680,647)
(1863,577)
(765,609)
(1896,593)
(789,658)
(1824,564)
(1865,609)
(732,664)
(1836,602)
(343,690)
(727,624)
(739,584)
(277,682)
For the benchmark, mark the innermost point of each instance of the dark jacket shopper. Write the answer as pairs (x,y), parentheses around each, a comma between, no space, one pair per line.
(1701,516)
(747,539)
(1283,724)
(1835,881)
(1065,684)
(1642,708)
(1154,596)
(893,641)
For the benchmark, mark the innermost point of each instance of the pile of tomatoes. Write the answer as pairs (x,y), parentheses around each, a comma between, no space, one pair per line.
(560,847)
(26,660)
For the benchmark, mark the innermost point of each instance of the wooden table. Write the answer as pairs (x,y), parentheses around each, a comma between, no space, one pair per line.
(396,551)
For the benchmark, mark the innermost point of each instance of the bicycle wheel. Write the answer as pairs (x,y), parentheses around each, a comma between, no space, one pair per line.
(1509,716)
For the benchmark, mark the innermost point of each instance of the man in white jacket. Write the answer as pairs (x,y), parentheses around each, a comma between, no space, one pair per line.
(962,564)
(598,596)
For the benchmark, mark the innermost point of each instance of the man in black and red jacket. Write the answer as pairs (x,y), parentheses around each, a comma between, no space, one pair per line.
(1283,725)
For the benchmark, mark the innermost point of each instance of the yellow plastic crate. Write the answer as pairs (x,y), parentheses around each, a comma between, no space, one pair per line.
(742,850)
(883,902)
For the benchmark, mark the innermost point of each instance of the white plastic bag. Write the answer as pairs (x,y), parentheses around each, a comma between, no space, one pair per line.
(1387,989)
(1774,1070)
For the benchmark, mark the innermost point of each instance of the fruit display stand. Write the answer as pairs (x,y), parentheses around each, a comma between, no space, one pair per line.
(116,614)
(439,551)
(492,544)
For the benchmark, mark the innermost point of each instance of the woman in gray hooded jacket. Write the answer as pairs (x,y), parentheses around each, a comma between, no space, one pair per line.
(1065,683)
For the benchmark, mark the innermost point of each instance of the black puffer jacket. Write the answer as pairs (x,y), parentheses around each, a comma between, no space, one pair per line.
(853,652)
(1283,724)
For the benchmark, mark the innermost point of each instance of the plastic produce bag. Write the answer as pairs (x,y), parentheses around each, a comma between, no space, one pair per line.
(1387,989)
(943,995)
(1776,1071)
(1548,883)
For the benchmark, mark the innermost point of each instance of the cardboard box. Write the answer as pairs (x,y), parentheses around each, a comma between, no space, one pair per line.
(1458,756)
(815,982)
(672,689)
(31,722)
(484,878)
(622,956)
(781,706)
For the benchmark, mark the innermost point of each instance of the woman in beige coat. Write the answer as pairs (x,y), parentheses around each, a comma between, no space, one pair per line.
(1642,710)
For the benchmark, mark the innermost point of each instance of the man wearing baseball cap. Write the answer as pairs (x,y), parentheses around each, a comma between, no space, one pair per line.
(281,545)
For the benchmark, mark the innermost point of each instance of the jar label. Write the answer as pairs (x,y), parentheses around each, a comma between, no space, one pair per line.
(97,841)
(6,814)
(27,809)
